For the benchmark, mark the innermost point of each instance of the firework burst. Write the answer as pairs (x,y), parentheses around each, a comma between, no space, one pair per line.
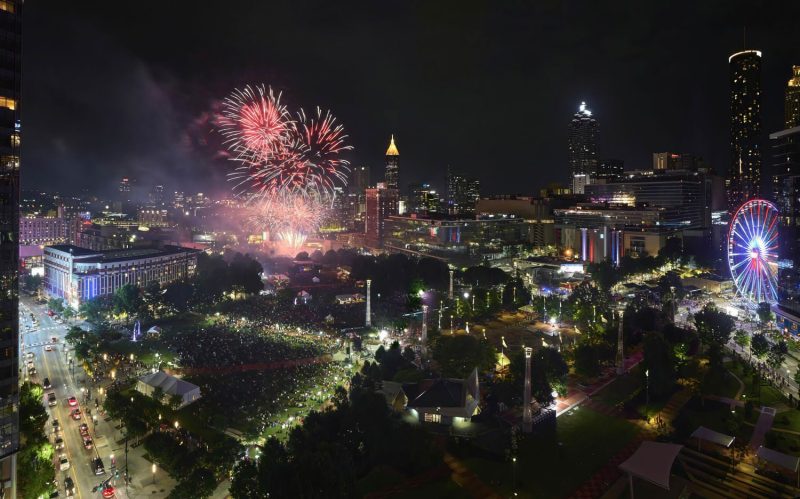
(288,168)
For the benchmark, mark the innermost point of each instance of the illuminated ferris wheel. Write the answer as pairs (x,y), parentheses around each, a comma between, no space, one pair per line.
(753,251)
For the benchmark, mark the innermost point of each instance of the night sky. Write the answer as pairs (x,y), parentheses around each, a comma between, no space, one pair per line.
(115,88)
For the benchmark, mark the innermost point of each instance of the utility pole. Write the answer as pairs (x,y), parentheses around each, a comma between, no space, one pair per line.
(620,347)
(368,321)
(527,415)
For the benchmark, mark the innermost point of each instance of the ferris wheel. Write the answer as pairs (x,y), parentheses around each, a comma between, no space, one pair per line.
(753,251)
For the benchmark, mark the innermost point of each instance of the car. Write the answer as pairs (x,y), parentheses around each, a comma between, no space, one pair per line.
(56,424)
(30,364)
(84,429)
(46,384)
(30,355)
(87,443)
(58,443)
(48,348)
(32,371)
(69,487)
(72,401)
(75,414)
(63,462)
(54,339)
(97,466)
(51,399)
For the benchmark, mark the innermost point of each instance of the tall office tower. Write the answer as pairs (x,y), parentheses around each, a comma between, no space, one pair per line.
(462,193)
(381,203)
(392,166)
(674,161)
(792,104)
(744,175)
(610,169)
(10,66)
(359,179)
(583,132)
(424,200)
(157,196)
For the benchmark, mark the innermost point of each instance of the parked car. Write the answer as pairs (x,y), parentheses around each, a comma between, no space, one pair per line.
(84,429)
(51,399)
(48,348)
(59,443)
(72,401)
(75,414)
(64,462)
(69,487)
(87,443)
(46,384)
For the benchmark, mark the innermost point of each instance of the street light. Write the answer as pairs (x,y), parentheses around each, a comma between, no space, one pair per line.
(153,469)
(647,395)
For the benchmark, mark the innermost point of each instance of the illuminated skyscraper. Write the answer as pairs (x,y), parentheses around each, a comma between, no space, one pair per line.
(582,141)
(10,66)
(392,166)
(792,105)
(381,203)
(744,174)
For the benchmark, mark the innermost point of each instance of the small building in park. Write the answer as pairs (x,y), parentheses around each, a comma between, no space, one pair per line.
(170,386)
(447,400)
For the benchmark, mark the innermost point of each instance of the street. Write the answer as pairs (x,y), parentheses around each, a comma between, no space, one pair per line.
(69,383)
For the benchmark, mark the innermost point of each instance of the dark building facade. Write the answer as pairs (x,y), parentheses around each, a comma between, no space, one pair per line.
(10,80)
(583,132)
(392,166)
(792,103)
(785,147)
(744,172)
(610,169)
(462,193)
(683,196)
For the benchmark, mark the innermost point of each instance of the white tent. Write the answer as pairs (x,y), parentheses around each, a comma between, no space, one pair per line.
(170,385)
(651,462)
(703,433)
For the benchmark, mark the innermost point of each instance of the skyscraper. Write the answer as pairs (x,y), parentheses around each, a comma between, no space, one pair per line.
(381,203)
(359,179)
(392,166)
(10,64)
(582,141)
(462,193)
(792,104)
(610,169)
(744,174)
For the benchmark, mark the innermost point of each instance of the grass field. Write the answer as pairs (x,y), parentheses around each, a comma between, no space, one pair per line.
(554,466)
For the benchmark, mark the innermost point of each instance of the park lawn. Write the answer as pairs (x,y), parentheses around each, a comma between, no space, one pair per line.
(621,389)
(787,420)
(381,478)
(783,442)
(554,466)
(714,416)
(721,383)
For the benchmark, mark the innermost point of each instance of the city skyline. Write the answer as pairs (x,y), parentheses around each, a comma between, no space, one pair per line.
(162,93)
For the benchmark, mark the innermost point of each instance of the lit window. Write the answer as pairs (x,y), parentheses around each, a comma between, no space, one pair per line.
(433,418)
(7,6)
(5,101)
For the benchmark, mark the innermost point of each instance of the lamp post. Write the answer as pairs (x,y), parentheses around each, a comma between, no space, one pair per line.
(647,395)
(153,469)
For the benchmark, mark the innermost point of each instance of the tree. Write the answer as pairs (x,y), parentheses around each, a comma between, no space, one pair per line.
(32,282)
(245,484)
(659,361)
(199,484)
(777,354)
(245,273)
(35,471)
(741,338)
(587,361)
(458,355)
(95,310)
(759,345)
(764,312)
(604,274)
(127,300)
(714,328)
(158,394)
(175,401)
(56,305)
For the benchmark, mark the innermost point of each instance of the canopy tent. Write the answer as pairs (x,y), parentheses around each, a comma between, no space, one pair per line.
(652,462)
(791,463)
(781,460)
(703,433)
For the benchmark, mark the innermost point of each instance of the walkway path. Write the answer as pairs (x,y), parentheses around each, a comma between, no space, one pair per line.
(763,425)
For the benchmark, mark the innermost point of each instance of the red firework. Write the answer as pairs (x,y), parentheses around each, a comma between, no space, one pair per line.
(255,124)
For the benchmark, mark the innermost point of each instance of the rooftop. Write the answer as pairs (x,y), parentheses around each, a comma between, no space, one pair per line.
(114,255)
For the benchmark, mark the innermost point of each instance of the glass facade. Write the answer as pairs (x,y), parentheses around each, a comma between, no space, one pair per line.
(744,174)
